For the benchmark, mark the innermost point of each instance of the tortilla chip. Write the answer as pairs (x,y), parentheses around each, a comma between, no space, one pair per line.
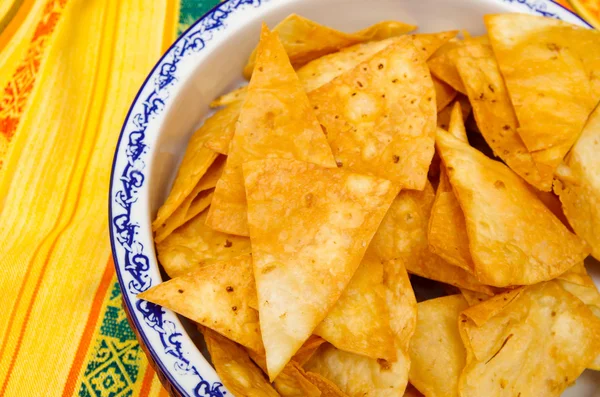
(230,98)
(291,382)
(402,236)
(196,160)
(444,94)
(547,82)
(276,120)
(577,282)
(358,375)
(226,120)
(474,298)
(360,322)
(215,296)
(494,113)
(505,220)
(437,353)
(308,349)
(443,116)
(309,229)
(328,388)
(379,117)
(194,245)
(235,369)
(552,202)
(443,63)
(401,302)
(578,184)
(194,204)
(536,345)
(305,40)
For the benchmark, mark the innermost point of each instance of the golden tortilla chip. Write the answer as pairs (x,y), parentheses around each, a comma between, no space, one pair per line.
(226,120)
(215,296)
(194,204)
(309,229)
(328,388)
(552,202)
(360,322)
(494,112)
(196,160)
(443,116)
(443,63)
(230,98)
(276,120)
(308,349)
(402,236)
(473,297)
(305,40)
(358,375)
(235,369)
(436,351)
(536,345)
(505,220)
(577,282)
(291,382)
(546,80)
(379,117)
(401,302)
(194,245)
(578,184)
(444,94)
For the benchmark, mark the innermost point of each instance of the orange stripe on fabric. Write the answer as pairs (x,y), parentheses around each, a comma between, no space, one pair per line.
(15,23)
(57,235)
(163,393)
(171,19)
(147,382)
(90,327)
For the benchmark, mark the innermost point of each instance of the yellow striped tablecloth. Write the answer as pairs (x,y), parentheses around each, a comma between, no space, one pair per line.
(69,69)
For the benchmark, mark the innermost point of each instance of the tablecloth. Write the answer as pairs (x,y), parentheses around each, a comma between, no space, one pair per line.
(69,70)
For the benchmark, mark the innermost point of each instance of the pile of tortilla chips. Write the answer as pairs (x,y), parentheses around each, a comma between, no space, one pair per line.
(310,207)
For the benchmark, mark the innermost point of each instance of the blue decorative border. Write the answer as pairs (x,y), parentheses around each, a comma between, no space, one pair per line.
(123,230)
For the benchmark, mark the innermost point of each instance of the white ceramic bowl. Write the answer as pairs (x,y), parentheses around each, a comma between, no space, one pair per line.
(204,62)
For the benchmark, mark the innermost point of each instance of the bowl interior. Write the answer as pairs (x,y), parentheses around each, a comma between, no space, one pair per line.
(219,70)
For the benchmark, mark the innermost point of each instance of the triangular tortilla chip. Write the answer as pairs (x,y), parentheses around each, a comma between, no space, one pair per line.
(358,375)
(227,119)
(505,220)
(196,202)
(359,322)
(328,388)
(444,94)
(578,184)
(443,63)
(494,112)
(536,345)
(436,351)
(291,381)
(215,296)
(194,245)
(401,302)
(309,229)
(276,120)
(402,236)
(443,116)
(235,369)
(446,232)
(380,117)
(305,40)
(308,349)
(548,84)
(579,283)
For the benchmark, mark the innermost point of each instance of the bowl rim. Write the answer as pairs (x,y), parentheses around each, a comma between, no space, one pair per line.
(132,180)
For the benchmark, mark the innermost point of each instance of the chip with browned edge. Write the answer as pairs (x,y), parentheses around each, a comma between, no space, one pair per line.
(309,229)
(380,117)
(276,120)
(215,296)
(437,353)
(305,40)
(505,220)
(534,341)
(227,118)
(235,369)
(194,245)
